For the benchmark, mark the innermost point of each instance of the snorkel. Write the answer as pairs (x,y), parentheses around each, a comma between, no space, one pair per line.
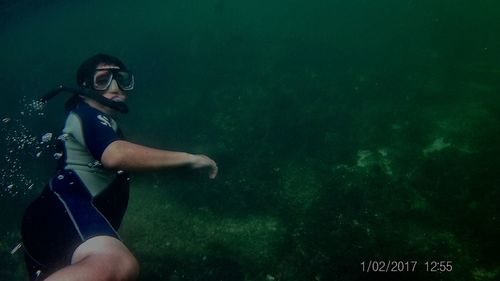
(89,93)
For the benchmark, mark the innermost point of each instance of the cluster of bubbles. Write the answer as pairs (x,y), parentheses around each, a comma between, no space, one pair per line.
(20,146)
(33,107)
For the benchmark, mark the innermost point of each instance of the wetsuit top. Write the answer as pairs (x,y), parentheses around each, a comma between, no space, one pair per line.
(86,134)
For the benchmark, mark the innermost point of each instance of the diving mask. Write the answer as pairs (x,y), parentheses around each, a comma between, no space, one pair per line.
(103,77)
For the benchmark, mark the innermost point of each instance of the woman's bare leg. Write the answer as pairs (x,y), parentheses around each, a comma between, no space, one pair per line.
(101,258)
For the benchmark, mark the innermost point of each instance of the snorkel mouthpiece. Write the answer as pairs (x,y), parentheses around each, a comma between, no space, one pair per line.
(118,99)
(115,104)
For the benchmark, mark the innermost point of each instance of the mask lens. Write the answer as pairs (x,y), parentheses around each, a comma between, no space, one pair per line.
(125,80)
(102,79)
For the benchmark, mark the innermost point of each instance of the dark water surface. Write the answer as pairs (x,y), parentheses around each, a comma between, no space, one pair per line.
(345,131)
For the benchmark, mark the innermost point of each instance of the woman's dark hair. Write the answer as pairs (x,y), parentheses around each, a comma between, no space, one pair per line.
(87,68)
(85,72)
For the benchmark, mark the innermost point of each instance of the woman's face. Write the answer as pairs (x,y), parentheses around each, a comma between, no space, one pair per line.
(113,92)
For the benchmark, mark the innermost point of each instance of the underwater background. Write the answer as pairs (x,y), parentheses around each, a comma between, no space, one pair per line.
(345,132)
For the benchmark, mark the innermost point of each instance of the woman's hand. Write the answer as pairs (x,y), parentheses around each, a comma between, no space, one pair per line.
(202,161)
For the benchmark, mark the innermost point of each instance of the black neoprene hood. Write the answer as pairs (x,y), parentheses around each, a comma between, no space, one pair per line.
(88,67)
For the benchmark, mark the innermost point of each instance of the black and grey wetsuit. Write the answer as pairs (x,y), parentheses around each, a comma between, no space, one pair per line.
(82,200)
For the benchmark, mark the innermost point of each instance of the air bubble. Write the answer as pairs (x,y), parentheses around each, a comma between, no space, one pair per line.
(46,137)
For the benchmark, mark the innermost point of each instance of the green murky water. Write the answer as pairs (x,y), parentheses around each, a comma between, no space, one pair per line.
(345,131)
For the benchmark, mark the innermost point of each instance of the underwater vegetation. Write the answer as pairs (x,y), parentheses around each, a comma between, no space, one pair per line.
(323,188)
